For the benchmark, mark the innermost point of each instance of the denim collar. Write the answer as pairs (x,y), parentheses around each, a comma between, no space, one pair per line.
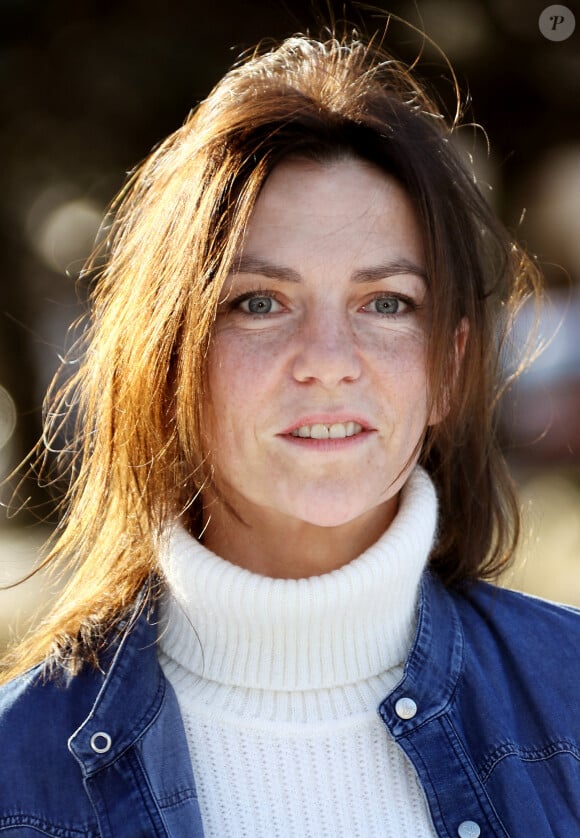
(130,696)
(133,687)
(434,663)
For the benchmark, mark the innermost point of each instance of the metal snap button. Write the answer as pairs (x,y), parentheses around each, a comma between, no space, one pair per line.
(101,742)
(405,708)
(469,829)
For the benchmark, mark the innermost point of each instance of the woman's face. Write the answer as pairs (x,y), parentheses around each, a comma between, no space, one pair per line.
(317,365)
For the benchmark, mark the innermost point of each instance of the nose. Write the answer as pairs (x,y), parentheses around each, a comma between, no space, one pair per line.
(326,351)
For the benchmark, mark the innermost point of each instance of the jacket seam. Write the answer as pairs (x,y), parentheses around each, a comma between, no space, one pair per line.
(46,827)
(150,804)
(475,782)
(510,749)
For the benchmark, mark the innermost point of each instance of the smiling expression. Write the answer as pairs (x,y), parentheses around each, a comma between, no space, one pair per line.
(317,368)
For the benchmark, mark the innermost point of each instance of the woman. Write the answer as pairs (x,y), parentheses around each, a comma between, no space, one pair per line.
(284,490)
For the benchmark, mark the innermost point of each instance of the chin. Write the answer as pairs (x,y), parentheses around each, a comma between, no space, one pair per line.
(331,515)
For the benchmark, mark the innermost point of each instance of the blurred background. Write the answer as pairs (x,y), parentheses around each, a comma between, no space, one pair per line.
(88,88)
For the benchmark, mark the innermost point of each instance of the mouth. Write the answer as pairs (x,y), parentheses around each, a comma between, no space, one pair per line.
(336,430)
(327,432)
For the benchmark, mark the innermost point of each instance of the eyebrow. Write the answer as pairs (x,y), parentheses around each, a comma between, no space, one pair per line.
(257,265)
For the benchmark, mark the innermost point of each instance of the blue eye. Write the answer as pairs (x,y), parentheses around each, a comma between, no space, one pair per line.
(257,305)
(254,303)
(388,305)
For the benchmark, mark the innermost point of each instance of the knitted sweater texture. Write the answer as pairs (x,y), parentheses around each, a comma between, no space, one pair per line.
(279,680)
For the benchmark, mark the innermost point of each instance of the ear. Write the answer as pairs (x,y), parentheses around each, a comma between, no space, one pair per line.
(441,408)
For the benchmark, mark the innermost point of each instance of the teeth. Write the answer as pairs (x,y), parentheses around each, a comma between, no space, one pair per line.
(320,432)
(339,430)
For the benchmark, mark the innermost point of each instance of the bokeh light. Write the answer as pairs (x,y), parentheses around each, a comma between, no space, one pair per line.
(62,228)
(555,206)
(7,416)
(459,27)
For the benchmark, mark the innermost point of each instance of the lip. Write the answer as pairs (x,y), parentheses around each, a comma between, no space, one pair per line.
(327,419)
(333,445)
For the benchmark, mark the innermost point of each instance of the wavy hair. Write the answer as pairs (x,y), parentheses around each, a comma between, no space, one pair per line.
(132,413)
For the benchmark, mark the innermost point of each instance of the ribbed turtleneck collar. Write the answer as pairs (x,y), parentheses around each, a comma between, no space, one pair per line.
(228,625)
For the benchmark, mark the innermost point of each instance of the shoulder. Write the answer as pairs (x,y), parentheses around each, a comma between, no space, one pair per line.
(519,640)
(501,637)
(38,714)
(41,774)
(482,605)
(39,777)
(35,697)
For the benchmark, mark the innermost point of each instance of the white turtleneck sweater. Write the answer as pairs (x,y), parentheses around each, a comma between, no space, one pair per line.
(279,681)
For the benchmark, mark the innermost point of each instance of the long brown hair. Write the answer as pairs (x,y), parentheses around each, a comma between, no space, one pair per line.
(129,421)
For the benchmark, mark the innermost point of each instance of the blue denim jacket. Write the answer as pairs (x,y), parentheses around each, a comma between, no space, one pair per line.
(491,722)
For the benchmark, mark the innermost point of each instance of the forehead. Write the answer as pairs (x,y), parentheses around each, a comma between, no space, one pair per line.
(346,208)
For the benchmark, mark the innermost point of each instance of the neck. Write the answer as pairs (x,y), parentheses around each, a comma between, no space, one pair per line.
(281,547)
(236,627)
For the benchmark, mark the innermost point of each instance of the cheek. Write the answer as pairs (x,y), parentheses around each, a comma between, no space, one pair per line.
(400,383)
(398,355)
(240,376)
